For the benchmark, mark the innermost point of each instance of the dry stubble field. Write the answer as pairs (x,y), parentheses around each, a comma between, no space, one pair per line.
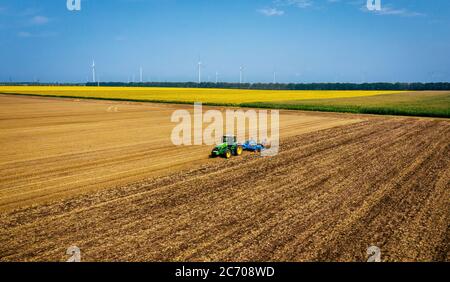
(54,147)
(77,172)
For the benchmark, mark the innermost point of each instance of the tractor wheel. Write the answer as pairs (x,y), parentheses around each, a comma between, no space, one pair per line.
(238,150)
(227,154)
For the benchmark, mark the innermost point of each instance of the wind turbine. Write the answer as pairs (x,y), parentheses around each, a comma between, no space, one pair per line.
(241,69)
(140,74)
(93,71)
(199,72)
(217,77)
(274,77)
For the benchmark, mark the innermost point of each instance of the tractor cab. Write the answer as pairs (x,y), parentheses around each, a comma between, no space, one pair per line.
(229,139)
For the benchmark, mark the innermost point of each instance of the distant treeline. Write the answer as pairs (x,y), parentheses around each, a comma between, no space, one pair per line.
(266,86)
(289,86)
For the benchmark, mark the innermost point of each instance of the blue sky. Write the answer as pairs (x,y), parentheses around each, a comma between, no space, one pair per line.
(302,40)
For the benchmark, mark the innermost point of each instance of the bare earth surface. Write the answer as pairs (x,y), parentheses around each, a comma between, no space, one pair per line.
(51,147)
(328,195)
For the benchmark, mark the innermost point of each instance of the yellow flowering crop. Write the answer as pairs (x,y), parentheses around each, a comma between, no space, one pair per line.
(205,95)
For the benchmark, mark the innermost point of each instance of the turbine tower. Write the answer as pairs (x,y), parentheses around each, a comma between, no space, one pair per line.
(93,71)
(217,77)
(241,69)
(274,77)
(199,72)
(140,73)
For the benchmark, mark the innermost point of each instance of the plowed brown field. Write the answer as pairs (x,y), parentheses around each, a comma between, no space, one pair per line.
(51,148)
(328,195)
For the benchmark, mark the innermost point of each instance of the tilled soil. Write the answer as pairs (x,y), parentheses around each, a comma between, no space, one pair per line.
(54,148)
(327,196)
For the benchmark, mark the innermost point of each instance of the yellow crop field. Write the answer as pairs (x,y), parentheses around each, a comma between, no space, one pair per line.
(205,95)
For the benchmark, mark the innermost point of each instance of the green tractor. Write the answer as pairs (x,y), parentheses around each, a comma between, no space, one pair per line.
(228,147)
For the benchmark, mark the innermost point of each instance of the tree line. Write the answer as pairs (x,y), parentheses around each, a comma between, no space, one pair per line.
(263,86)
(288,86)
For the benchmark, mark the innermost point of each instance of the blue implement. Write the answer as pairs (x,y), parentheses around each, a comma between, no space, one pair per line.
(251,145)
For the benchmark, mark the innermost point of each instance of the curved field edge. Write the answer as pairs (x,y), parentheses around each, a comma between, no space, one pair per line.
(393,109)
